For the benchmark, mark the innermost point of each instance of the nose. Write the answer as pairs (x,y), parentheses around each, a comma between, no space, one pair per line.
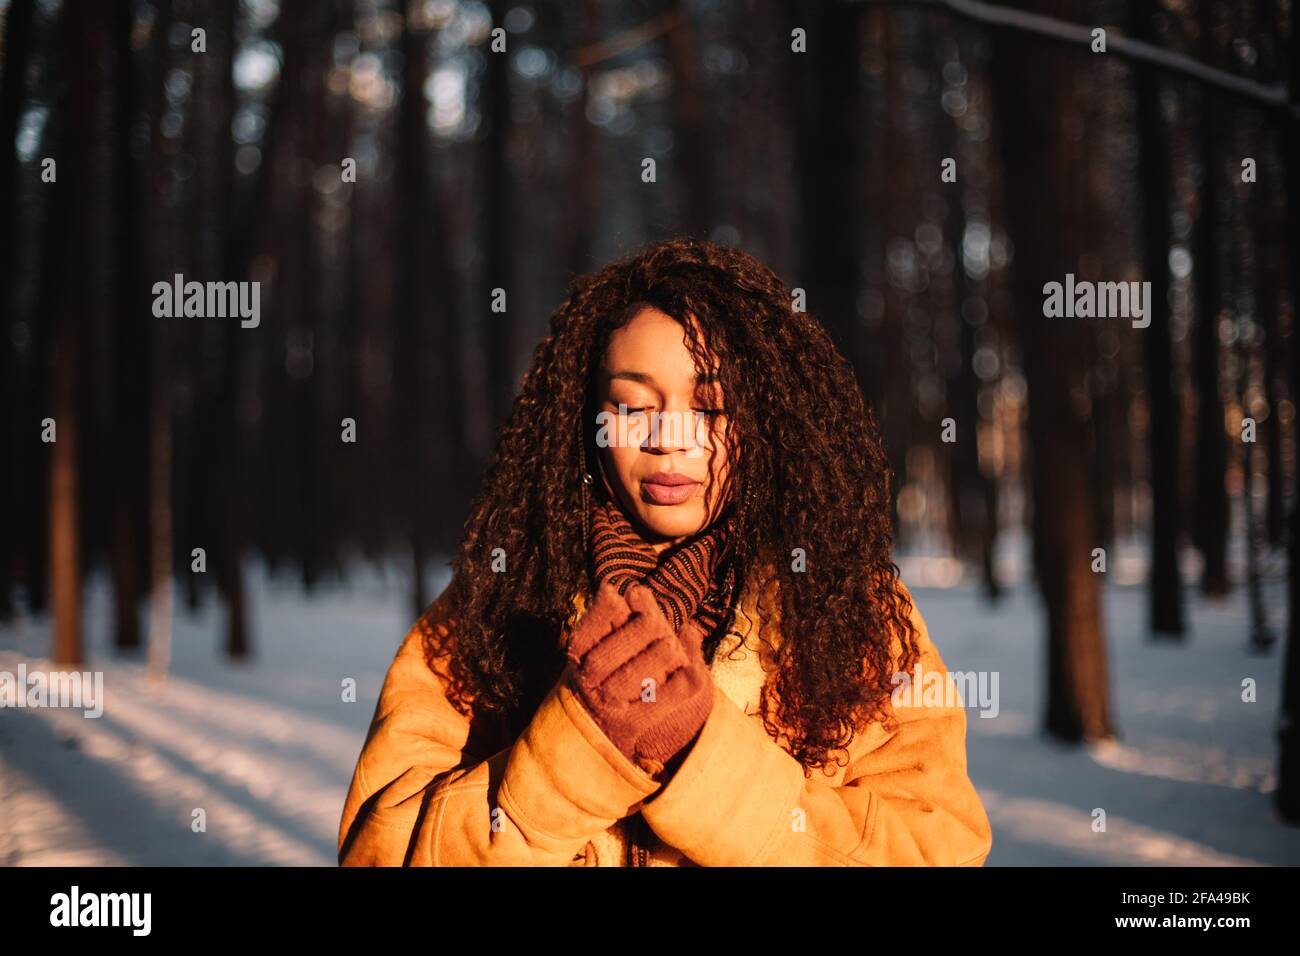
(674,430)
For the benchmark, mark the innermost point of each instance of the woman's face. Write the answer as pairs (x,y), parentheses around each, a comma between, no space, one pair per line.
(657,427)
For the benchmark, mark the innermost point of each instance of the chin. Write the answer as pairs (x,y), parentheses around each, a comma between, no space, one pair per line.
(671,525)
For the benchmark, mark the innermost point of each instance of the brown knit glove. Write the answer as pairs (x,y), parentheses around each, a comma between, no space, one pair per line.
(618,644)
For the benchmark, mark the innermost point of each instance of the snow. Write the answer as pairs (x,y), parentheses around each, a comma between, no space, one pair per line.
(266,749)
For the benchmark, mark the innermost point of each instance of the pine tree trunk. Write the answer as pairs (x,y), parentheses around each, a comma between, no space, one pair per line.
(1287,797)
(1211,443)
(499,341)
(584,185)
(235,253)
(1164,427)
(161,585)
(1037,89)
(18,22)
(80,32)
(129,378)
(691,155)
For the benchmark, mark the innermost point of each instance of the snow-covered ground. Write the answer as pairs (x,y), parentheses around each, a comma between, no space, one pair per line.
(266,750)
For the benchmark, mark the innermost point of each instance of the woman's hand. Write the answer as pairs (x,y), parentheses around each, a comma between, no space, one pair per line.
(649,690)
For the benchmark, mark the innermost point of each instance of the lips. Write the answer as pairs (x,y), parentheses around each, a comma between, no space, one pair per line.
(668,488)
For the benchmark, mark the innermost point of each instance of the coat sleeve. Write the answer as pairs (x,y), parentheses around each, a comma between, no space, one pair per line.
(739,799)
(423,795)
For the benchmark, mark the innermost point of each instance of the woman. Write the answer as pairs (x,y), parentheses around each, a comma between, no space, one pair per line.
(674,626)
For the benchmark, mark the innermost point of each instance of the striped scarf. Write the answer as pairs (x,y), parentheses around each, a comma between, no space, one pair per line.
(689,580)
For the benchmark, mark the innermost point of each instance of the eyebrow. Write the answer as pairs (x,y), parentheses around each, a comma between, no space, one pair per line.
(701,378)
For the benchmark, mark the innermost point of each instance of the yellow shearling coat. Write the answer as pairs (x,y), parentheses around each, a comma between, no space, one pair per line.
(425,794)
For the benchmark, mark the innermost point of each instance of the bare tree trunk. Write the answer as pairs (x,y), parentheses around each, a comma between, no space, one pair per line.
(246,224)
(823,93)
(412,203)
(824,106)
(1211,444)
(161,585)
(65,552)
(18,28)
(499,272)
(13,477)
(973,500)
(130,378)
(160,511)
(80,34)
(1287,797)
(1038,89)
(1247,130)
(1165,589)
(585,185)
(461,471)
(230,532)
(692,128)
(1271,278)
(303,391)
(892,378)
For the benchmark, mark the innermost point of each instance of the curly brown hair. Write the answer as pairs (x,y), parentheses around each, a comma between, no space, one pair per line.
(814,472)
